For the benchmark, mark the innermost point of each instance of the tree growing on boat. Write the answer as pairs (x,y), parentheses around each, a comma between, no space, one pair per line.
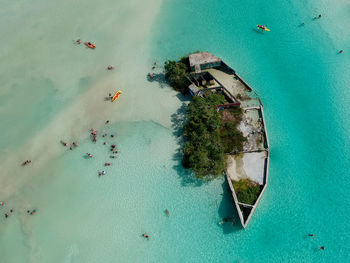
(176,74)
(247,191)
(203,151)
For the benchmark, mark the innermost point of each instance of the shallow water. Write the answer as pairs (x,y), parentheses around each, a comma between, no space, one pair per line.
(52,89)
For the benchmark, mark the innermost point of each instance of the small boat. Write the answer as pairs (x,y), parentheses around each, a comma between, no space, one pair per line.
(264,28)
(90,45)
(116,95)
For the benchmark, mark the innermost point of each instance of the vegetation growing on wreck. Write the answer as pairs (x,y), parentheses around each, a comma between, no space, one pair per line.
(232,138)
(203,151)
(247,191)
(209,134)
(176,74)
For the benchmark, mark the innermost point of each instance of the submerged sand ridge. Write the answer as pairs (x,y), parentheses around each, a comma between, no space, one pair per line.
(128,51)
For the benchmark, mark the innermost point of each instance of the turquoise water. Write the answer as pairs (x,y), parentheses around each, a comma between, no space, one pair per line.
(295,69)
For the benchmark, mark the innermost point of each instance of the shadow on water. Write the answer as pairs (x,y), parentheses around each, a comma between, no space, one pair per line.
(229,219)
(227,211)
(158,77)
(258,31)
(178,119)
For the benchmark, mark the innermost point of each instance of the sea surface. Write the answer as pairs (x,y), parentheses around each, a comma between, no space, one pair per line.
(53,89)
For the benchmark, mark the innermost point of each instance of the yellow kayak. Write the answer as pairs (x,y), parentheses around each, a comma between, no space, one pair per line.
(116,95)
(264,28)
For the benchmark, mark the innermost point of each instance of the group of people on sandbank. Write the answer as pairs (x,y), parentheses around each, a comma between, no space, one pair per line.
(151,74)
(72,146)
(113,148)
(26,162)
(11,211)
(7,214)
(65,144)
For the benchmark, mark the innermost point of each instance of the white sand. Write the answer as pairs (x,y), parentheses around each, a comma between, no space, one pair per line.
(248,165)
(235,167)
(253,164)
(126,47)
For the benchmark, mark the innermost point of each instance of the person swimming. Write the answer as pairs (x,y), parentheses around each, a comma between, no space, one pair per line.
(26,162)
(167,212)
(6,215)
(110,67)
(321,247)
(107,164)
(89,155)
(145,236)
(64,143)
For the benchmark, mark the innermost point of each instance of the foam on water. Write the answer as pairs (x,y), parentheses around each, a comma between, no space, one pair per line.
(51,89)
